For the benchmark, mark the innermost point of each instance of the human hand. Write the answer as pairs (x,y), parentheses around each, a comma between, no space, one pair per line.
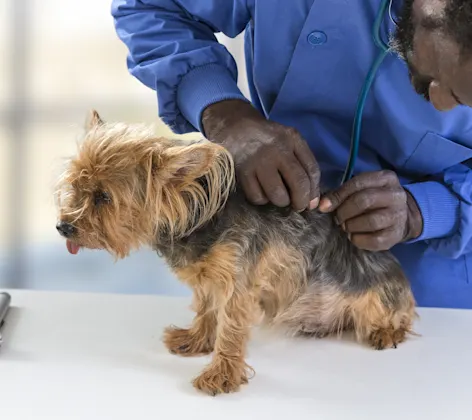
(273,162)
(375,211)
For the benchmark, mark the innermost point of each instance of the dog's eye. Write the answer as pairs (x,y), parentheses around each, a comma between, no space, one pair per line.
(101,197)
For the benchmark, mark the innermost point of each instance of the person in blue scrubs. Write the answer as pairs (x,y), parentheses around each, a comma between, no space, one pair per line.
(306,64)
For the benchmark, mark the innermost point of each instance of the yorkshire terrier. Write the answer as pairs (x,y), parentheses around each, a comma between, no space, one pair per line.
(246,264)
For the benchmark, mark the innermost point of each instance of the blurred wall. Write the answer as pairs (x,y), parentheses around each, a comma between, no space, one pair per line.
(59,58)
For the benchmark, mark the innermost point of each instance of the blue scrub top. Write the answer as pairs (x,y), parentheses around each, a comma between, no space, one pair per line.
(306,63)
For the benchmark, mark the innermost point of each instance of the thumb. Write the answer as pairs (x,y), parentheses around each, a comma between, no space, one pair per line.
(329,202)
(334,199)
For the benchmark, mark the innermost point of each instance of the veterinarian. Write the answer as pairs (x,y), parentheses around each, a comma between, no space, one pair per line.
(307,62)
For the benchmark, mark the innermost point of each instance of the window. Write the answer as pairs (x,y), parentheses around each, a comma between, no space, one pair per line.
(58,60)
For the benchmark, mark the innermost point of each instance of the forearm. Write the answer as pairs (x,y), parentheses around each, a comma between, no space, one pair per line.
(223,115)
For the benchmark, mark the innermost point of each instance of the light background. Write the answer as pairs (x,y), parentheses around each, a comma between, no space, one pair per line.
(58,59)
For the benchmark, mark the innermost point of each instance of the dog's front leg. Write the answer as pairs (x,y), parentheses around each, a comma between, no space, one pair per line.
(199,339)
(228,369)
(224,308)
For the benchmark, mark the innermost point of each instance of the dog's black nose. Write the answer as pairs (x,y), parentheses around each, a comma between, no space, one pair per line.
(65,229)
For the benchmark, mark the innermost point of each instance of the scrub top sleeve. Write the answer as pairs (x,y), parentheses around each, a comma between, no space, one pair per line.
(173,50)
(446,207)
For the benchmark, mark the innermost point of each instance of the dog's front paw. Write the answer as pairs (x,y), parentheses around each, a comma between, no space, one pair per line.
(187,342)
(222,376)
(383,338)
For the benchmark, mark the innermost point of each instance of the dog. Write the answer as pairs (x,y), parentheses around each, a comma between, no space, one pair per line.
(246,265)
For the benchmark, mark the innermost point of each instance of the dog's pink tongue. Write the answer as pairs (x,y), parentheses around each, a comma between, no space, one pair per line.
(72,248)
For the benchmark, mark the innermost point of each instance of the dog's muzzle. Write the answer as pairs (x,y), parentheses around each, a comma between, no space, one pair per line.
(66,229)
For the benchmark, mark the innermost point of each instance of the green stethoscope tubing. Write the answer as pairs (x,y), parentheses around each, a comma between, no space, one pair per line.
(356,128)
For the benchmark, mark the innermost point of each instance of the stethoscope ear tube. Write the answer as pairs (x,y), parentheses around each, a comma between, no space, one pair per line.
(356,128)
(357,124)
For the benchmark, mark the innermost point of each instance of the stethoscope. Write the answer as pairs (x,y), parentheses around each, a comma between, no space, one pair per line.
(384,51)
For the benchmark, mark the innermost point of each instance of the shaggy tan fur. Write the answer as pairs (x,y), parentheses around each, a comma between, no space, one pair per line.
(128,188)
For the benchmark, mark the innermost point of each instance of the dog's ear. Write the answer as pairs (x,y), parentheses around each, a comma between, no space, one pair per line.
(185,163)
(93,120)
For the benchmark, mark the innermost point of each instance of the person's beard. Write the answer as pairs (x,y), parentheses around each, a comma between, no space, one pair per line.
(402,41)
(402,44)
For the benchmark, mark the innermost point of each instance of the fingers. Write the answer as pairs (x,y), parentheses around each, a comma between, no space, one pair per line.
(372,222)
(368,200)
(374,219)
(252,189)
(380,241)
(371,208)
(282,184)
(273,186)
(286,183)
(378,230)
(368,180)
(297,182)
(277,165)
(309,163)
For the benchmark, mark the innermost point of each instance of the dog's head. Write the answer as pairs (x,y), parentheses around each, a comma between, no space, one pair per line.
(126,186)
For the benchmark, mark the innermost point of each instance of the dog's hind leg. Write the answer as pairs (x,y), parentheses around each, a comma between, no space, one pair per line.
(382,306)
(383,316)
(321,311)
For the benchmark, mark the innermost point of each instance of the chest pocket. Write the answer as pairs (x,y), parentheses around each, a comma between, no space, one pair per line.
(435,153)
